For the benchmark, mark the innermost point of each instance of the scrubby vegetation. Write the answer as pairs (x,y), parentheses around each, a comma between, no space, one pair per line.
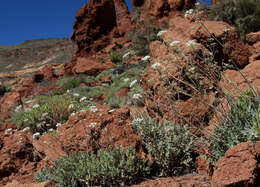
(49,112)
(116,57)
(66,83)
(116,167)
(171,145)
(241,124)
(243,14)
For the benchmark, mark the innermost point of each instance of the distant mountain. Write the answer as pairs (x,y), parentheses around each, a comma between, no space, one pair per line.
(35,53)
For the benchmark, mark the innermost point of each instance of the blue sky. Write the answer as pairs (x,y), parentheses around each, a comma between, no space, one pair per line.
(22,20)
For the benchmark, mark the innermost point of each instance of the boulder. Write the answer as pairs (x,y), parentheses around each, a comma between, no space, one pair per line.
(97,23)
(239,167)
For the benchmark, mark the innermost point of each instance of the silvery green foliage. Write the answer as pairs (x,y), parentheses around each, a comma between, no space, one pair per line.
(106,168)
(241,124)
(171,145)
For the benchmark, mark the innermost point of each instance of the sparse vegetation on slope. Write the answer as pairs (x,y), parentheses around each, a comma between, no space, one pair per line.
(240,125)
(35,53)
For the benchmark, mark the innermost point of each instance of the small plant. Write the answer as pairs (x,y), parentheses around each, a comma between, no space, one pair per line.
(106,168)
(67,83)
(171,145)
(241,124)
(115,57)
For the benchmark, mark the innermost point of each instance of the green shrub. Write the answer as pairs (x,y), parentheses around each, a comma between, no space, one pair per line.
(243,14)
(116,102)
(115,57)
(67,83)
(241,124)
(171,145)
(45,115)
(106,168)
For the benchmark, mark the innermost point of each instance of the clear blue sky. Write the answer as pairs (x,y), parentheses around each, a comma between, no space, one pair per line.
(22,20)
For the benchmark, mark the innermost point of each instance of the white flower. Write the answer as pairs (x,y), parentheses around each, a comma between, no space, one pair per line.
(58,124)
(146,58)
(25,120)
(36,106)
(36,136)
(174,43)
(44,114)
(82,99)
(76,95)
(190,43)
(93,109)
(51,130)
(161,33)
(72,114)
(137,96)
(188,12)
(7,131)
(19,107)
(138,120)
(110,111)
(71,106)
(133,83)
(26,129)
(127,54)
(126,80)
(197,4)
(93,124)
(68,91)
(156,65)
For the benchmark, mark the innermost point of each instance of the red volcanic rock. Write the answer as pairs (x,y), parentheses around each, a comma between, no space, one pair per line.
(89,131)
(123,92)
(123,17)
(186,181)
(231,46)
(239,167)
(16,157)
(90,66)
(254,40)
(213,2)
(97,22)
(253,37)
(8,103)
(18,184)
(233,82)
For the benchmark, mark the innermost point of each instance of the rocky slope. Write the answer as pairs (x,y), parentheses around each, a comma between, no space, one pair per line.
(176,82)
(24,59)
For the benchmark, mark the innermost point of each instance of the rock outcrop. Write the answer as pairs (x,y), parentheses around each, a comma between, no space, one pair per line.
(239,167)
(97,23)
